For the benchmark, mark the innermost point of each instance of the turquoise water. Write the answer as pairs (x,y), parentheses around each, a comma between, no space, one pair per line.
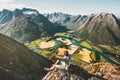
(77,44)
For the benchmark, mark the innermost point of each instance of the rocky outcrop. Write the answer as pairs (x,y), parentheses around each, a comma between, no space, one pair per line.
(5,16)
(97,71)
(75,73)
(104,70)
(60,75)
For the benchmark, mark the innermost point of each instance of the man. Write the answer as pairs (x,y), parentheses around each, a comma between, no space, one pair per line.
(65,61)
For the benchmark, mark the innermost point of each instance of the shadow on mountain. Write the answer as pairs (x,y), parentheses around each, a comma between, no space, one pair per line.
(56,29)
(17,62)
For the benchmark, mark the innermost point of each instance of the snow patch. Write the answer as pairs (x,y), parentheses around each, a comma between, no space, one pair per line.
(29,12)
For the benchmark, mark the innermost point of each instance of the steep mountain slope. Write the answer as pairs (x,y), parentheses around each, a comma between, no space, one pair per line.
(18,62)
(5,16)
(23,30)
(59,18)
(102,28)
(77,22)
(27,25)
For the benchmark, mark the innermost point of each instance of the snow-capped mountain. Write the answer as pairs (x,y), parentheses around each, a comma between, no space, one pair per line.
(59,18)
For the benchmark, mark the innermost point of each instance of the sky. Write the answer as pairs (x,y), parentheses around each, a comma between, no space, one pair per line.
(75,7)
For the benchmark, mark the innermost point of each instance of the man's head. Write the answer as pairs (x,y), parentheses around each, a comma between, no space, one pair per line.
(66,53)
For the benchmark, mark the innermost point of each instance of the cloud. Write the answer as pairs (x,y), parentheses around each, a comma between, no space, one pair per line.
(10,4)
(6,1)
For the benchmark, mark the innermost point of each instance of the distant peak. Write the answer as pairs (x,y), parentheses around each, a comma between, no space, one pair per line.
(29,11)
(103,14)
(5,10)
(26,8)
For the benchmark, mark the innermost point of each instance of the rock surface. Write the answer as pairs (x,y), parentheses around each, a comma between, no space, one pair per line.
(104,70)
(75,73)
(59,18)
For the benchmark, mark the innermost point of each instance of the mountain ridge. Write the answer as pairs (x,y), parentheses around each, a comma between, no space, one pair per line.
(17,62)
(59,18)
(102,23)
(85,27)
(28,24)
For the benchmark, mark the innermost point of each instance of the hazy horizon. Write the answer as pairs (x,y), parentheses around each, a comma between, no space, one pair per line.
(76,7)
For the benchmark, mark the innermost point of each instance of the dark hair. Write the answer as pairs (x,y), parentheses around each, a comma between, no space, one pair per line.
(66,53)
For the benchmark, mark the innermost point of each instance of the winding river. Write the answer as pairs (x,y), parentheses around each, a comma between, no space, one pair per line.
(77,44)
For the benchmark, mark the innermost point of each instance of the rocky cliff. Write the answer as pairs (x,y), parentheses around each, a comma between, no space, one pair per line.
(104,70)
(74,73)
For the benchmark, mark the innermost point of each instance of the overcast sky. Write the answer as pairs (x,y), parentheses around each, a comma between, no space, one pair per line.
(84,7)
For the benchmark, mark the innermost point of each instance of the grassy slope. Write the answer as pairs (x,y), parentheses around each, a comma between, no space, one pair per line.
(18,62)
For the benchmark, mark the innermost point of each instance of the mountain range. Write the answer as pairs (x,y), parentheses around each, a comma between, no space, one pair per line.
(26,25)
(59,18)
(17,62)
(100,28)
